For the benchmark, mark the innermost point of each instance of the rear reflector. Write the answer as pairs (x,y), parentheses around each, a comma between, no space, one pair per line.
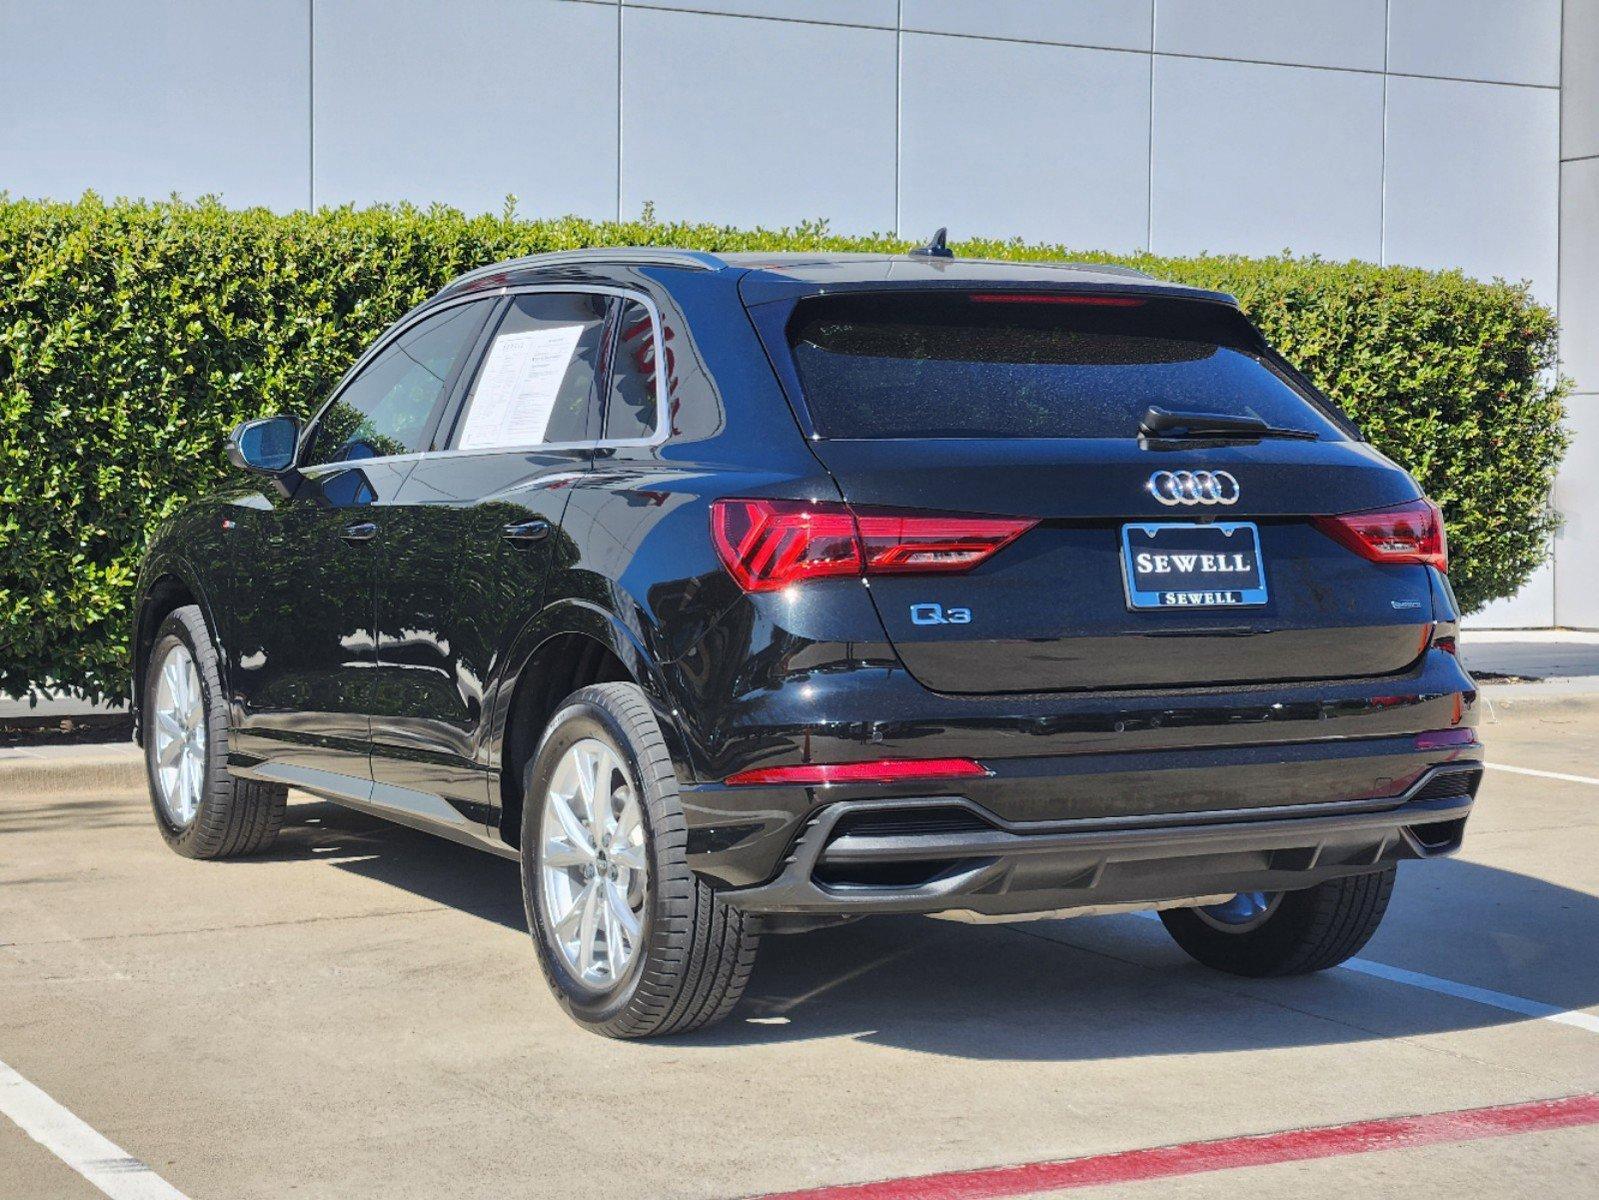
(886,770)
(1055,298)
(1411,533)
(1438,739)
(769,544)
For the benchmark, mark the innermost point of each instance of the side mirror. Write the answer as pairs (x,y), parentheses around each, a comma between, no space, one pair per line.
(265,445)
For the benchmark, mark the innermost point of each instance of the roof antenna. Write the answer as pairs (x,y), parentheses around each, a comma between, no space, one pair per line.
(938,247)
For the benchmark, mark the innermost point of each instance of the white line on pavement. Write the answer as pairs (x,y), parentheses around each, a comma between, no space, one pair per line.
(102,1162)
(1465,991)
(1543,774)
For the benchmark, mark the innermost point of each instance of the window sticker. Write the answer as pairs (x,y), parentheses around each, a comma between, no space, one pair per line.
(518,387)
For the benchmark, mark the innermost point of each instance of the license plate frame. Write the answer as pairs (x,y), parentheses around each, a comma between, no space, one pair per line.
(1142,598)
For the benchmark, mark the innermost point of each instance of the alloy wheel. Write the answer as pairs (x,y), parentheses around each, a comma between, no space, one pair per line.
(179,731)
(593,865)
(1245,911)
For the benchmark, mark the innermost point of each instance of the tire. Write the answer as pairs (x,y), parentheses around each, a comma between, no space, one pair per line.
(1309,930)
(224,816)
(691,955)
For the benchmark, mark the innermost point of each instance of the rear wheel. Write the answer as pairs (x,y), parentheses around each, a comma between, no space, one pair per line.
(632,943)
(202,810)
(1284,933)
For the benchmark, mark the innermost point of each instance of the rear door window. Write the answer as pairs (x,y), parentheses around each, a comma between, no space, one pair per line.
(1014,365)
(535,384)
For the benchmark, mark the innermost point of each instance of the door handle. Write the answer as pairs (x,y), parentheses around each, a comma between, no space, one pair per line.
(362,531)
(526,532)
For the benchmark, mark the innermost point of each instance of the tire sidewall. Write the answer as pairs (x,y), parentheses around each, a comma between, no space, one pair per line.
(577,720)
(1310,930)
(1271,940)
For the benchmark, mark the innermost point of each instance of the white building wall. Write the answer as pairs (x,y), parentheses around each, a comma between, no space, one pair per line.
(1411,131)
(1576,494)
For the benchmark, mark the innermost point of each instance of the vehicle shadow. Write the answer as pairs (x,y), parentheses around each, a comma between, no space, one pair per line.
(1063,990)
(464,878)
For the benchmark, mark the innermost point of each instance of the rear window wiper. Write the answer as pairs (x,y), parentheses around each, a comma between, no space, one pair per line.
(1162,423)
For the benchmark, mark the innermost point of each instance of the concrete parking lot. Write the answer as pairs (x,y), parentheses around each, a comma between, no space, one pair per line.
(359,1014)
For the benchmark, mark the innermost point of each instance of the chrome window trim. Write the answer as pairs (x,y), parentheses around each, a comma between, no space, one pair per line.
(417,316)
(394,332)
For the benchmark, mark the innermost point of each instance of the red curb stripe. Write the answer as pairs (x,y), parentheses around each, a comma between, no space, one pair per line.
(1192,1158)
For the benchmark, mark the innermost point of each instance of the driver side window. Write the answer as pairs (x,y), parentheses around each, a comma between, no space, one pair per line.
(385,409)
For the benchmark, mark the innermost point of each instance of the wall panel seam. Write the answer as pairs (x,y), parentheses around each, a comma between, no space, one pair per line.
(1382,175)
(900,28)
(620,60)
(899,107)
(1149,165)
(310,105)
(985,37)
(710,12)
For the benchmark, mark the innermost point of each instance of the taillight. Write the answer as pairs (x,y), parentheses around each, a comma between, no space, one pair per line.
(915,543)
(884,770)
(1411,533)
(769,544)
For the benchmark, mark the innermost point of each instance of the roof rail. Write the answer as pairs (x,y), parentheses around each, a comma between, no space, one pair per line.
(661,256)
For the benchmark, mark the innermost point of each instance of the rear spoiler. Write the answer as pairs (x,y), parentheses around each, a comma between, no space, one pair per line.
(763,287)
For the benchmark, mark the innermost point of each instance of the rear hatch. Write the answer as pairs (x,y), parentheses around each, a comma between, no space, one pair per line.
(1195,558)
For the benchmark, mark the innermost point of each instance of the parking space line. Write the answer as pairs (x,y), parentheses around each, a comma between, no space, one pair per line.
(1543,774)
(1478,995)
(1462,991)
(1223,1154)
(98,1159)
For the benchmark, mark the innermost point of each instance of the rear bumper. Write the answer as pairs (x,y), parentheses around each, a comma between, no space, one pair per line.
(947,853)
(1055,757)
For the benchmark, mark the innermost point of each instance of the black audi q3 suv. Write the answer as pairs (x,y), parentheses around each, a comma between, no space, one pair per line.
(757,592)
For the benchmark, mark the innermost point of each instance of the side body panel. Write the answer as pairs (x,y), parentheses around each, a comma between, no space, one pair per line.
(301,619)
(452,589)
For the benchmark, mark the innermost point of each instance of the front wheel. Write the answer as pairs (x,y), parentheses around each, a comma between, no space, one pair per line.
(1284,933)
(632,943)
(202,809)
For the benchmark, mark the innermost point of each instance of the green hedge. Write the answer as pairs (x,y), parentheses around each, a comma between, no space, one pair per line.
(133,336)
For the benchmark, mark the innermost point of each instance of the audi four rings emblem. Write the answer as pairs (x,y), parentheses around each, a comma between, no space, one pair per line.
(1193,487)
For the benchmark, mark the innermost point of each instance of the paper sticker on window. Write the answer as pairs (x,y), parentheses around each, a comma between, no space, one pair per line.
(518,386)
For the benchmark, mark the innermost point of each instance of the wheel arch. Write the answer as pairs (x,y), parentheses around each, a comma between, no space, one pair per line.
(172,584)
(571,644)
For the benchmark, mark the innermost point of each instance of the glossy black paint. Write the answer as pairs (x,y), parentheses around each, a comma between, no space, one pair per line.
(390,671)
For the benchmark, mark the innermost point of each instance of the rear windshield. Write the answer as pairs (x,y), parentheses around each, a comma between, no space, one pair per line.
(1001,365)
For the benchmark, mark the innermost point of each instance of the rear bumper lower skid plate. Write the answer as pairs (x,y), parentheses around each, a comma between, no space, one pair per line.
(987,867)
